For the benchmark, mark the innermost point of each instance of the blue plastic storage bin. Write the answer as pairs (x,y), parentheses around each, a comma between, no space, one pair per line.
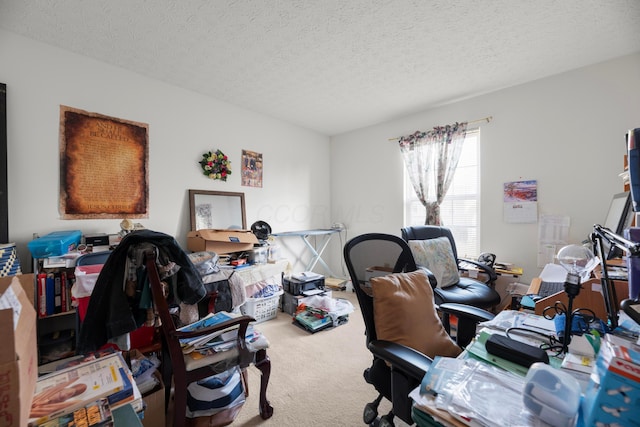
(53,244)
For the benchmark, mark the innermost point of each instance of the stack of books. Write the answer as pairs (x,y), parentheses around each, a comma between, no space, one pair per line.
(54,292)
(85,393)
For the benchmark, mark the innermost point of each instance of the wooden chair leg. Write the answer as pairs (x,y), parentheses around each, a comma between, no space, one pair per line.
(264,365)
(245,381)
(167,373)
(179,401)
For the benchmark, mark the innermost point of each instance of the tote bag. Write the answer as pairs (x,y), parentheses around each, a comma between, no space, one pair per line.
(9,261)
(215,394)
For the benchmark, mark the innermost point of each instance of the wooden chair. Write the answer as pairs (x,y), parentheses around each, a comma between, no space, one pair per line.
(175,366)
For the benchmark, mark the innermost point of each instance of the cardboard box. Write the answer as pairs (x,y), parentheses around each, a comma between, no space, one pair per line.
(221,241)
(375,271)
(18,352)
(154,401)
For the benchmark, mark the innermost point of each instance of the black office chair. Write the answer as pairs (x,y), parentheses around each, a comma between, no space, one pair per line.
(467,290)
(396,369)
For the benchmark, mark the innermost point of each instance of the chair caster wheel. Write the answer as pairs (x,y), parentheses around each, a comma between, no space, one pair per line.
(370,413)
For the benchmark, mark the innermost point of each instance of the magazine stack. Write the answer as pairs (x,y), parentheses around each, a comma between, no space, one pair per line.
(85,393)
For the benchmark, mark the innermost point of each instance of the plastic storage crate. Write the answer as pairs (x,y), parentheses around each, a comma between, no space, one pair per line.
(262,309)
(54,244)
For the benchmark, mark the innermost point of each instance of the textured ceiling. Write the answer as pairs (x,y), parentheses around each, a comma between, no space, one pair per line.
(335,65)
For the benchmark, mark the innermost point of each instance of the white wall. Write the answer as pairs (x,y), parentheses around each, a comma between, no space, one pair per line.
(566,131)
(182,126)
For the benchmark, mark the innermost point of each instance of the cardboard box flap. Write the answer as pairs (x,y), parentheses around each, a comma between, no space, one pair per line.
(221,241)
(226,236)
(18,354)
(7,349)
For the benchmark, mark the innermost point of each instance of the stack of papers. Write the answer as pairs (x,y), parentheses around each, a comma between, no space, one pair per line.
(306,276)
(518,319)
(223,339)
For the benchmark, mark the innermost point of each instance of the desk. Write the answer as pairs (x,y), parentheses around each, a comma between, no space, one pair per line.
(316,254)
(589,297)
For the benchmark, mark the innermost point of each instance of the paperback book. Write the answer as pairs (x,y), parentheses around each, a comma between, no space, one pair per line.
(65,391)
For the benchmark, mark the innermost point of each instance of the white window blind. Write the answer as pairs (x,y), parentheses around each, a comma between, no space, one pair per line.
(460,210)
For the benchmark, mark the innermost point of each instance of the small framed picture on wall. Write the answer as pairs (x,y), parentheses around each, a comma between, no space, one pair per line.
(251,169)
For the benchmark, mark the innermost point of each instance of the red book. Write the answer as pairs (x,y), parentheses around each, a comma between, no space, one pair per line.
(63,291)
(42,295)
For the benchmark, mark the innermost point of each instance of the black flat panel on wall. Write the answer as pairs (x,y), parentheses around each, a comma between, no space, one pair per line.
(4,201)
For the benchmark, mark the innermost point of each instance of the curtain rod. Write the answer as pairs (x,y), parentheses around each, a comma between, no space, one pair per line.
(484,119)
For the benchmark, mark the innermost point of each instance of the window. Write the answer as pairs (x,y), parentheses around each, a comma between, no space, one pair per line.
(460,209)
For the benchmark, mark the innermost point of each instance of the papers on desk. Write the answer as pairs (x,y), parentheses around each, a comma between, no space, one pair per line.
(557,273)
(540,323)
(507,319)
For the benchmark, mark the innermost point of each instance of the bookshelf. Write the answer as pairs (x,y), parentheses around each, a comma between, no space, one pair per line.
(57,322)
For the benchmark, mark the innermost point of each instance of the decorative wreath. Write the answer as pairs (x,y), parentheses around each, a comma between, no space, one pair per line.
(215,165)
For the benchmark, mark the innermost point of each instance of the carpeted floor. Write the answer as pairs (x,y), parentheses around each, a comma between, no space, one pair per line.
(316,379)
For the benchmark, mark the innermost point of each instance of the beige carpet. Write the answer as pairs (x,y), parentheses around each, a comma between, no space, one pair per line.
(316,379)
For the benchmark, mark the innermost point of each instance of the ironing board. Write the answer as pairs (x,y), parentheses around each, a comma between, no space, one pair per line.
(324,235)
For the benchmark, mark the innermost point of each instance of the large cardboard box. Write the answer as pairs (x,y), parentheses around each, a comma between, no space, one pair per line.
(221,241)
(154,401)
(18,353)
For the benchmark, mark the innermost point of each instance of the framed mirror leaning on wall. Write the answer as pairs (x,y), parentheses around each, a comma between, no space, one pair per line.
(217,209)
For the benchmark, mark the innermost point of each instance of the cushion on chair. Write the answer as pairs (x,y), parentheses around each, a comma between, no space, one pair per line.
(404,313)
(436,255)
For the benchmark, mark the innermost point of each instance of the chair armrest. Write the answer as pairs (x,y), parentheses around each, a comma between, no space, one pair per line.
(485,269)
(243,321)
(403,358)
(466,311)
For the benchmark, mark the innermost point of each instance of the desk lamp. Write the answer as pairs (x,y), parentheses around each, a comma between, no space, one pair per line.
(632,250)
(574,259)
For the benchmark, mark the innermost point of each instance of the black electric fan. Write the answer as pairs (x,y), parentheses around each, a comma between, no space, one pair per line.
(261,229)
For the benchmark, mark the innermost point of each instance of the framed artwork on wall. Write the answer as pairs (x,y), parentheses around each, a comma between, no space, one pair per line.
(251,169)
(104,166)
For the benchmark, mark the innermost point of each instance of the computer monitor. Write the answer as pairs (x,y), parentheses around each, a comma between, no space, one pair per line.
(619,217)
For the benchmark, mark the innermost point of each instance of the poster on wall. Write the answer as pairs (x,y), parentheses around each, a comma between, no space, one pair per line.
(553,234)
(251,169)
(104,170)
(521,201)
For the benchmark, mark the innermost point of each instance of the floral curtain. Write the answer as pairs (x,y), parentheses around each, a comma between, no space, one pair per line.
(431,159)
